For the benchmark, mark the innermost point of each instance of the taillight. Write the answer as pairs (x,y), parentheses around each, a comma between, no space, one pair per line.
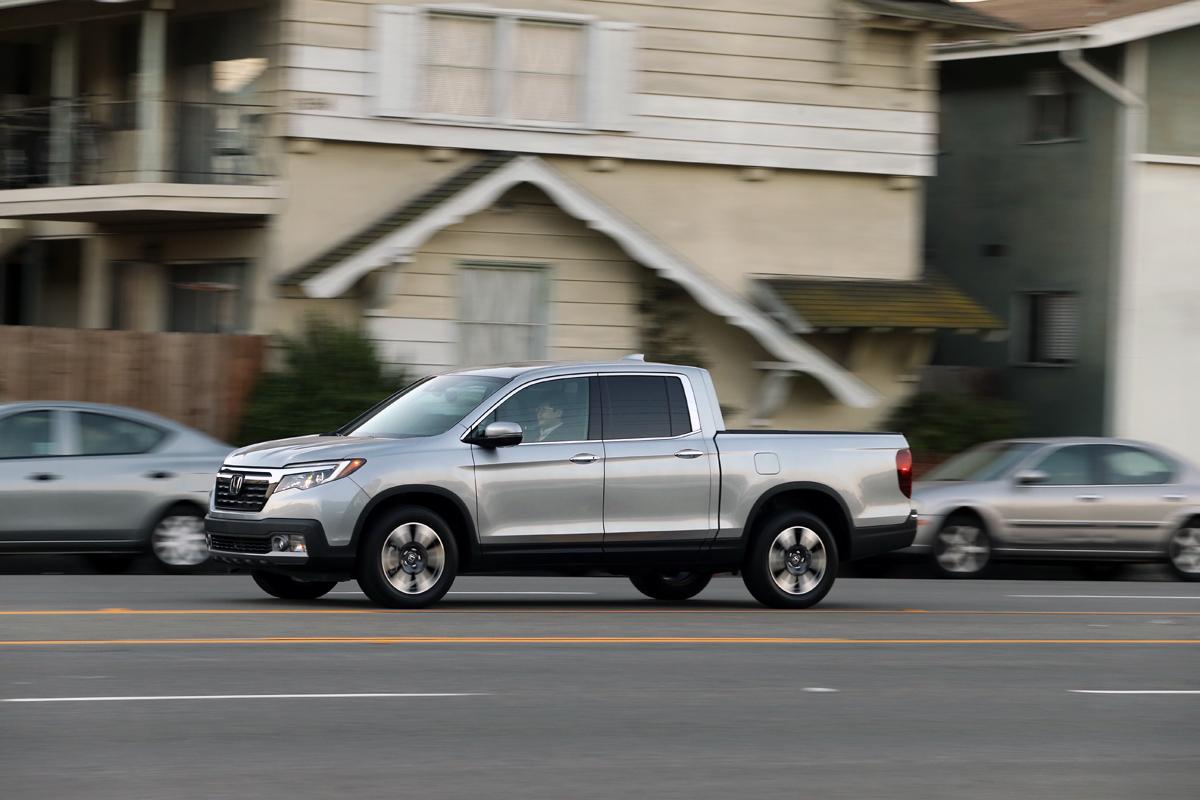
(904,471)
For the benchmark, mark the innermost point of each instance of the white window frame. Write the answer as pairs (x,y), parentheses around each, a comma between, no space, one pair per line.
(504,35)
(541,325)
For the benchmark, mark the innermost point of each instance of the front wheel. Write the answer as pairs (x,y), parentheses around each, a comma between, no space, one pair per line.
(408,559)
(962,548)
(287,588)
(672,587)
(792,562)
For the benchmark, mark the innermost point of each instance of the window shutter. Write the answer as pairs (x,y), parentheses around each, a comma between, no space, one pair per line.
(610,90)
(396,59)
(1057,328)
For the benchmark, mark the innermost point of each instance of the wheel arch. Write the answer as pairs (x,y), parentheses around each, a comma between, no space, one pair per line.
(441,501)
(815,498)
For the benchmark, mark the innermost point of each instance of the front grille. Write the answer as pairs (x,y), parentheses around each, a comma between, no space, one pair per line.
(239,544)
(252,497)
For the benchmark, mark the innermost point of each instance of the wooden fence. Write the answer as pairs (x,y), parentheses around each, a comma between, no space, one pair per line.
(199,379)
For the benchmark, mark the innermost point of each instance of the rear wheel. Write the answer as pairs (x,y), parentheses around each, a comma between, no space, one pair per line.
(288,588)
(177,540)
(1183,551)
(962,548)
(670,587)
(408,559)
(792,562)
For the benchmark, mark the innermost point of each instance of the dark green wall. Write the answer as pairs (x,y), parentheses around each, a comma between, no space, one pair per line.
(1004,216)
(1173,93)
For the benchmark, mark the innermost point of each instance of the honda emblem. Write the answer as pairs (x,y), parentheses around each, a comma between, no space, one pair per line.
(235,484)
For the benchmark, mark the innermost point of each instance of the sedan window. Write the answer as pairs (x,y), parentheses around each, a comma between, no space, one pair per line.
(27,435)
(1070,466)
(1125,466)
(105,435)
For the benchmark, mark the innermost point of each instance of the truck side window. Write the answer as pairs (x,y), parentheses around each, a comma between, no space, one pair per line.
(550,411)
(643,407)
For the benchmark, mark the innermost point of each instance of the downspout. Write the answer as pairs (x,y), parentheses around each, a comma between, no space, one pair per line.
(1129,143)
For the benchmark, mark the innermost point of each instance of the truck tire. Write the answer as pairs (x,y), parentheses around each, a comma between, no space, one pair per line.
(792,561)
(671,588)
(288,588)
(408,558)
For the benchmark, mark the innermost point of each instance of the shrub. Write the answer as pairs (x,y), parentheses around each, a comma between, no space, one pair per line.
(940,424)
(330,376)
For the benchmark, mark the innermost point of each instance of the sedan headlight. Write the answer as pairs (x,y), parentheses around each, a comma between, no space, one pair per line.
(317,474)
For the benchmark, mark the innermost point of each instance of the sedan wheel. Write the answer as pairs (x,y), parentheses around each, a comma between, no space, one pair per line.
(962,548)
(1184,553)
(177,541)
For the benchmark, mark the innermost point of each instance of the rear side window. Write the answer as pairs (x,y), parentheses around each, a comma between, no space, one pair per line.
(26,435)
(643,407)
(1125,466)
(104,435)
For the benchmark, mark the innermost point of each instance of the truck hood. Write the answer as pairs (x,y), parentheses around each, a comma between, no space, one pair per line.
(309,449)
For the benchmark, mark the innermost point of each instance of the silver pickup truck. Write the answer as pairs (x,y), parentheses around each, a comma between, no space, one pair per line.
(622,468)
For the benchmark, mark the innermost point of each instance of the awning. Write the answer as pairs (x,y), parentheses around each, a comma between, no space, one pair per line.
(814,304)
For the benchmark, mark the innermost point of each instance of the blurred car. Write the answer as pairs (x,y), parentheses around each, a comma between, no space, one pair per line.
(106,481)
(1086,499)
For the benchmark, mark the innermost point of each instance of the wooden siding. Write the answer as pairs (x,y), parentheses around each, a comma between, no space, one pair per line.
(594,287)
(746,82)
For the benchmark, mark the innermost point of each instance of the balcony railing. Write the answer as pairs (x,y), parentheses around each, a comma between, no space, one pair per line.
(89,143)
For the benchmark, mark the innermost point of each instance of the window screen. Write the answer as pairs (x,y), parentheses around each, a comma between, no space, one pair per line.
(26,435)
(459,60)
(502,315)
(1052,107)
(548,72)
(643,407)
(1053,328)
(103,435)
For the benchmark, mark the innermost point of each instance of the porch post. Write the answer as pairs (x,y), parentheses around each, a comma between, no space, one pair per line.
(95,285)
(64,86)
(32,269)
(152,61)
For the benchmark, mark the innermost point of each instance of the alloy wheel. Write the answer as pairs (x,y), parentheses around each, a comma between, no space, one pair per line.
(178,541)
(797,560)
(413,558)
(1185,550)
(963,549)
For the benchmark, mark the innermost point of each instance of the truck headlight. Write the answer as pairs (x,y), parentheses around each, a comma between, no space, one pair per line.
(317,474)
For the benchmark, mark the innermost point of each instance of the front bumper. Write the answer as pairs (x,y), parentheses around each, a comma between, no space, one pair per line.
(247,544)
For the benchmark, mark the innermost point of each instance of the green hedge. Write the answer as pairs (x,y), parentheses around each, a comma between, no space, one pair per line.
(330,376)
(940,424)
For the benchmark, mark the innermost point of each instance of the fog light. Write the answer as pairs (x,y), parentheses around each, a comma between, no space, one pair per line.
(296,543)
(279,542)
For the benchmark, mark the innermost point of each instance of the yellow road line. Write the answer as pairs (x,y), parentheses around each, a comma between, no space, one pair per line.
(504,610)
(735,640)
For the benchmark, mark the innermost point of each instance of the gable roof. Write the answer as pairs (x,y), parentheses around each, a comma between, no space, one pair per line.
(810,304)
(945,12)
(1076,24)
(479,186)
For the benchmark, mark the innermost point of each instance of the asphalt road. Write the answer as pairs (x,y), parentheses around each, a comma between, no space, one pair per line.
(891,689)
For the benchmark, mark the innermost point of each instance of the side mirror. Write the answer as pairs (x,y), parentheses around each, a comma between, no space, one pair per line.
(498,434)
(1030,477)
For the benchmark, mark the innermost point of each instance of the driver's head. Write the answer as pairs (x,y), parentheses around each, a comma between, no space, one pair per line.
(548,415)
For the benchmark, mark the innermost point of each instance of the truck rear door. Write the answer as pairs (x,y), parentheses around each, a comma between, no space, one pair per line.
(659,466)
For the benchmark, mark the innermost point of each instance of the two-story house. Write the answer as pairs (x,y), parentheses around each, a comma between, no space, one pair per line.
(1066,202)
(502,181)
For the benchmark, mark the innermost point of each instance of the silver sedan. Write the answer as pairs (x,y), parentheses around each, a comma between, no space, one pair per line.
(103,480)
(1087,499)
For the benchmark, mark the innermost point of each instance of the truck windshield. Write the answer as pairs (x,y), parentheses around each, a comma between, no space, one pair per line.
(428,408)
(983,463)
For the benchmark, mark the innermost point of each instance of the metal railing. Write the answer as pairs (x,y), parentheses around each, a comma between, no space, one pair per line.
(87,142)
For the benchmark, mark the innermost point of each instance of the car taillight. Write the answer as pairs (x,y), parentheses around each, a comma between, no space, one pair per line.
(904,471)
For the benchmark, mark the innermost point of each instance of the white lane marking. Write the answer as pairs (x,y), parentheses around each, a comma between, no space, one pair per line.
(1114,596)
(493,593)
(235,697)
(818,689)
(1135,691)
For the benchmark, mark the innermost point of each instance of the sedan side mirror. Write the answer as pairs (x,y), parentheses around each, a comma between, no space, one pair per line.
(1031,477)
(498,434)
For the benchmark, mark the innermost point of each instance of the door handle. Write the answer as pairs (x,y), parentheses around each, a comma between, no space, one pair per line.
(158,476)
(689,454)
(1174,498)
(43,476)
(1089,498)
(583,458)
